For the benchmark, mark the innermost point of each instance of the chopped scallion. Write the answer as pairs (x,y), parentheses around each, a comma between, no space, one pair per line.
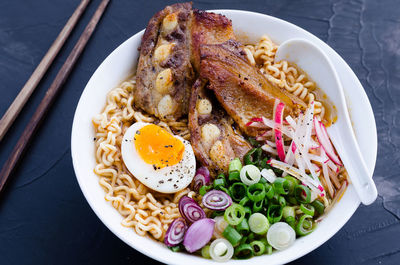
(258,223)
(232,235)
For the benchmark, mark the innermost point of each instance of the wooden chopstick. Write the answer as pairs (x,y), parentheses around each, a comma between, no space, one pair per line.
(19,102)
(50,96)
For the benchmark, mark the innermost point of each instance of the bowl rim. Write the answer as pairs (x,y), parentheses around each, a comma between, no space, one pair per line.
(178,259)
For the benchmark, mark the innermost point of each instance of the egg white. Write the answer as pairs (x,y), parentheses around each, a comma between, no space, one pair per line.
(169,179)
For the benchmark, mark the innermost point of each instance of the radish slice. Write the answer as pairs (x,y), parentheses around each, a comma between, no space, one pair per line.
(265,135)
(262,122)
(323,138)
(332,166)
(291,121)
(327,180)
(269,149)
(278,133)
(289,159)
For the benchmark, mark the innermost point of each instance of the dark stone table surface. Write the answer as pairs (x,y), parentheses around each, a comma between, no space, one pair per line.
(44,218)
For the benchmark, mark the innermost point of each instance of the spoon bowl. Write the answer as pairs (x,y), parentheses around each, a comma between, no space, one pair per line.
(318,66)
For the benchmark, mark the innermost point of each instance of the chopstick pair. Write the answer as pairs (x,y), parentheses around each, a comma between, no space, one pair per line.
(52,91)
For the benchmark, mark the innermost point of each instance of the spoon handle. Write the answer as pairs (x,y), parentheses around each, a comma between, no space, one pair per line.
(354,163)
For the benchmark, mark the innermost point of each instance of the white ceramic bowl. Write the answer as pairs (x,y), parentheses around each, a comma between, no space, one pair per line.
(121,62)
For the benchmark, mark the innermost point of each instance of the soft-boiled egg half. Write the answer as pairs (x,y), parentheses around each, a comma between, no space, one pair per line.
(160,160)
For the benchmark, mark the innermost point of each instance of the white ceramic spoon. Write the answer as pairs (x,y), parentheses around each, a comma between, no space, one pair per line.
(320,69)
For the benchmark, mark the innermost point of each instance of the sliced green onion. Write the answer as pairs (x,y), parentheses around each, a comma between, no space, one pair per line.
(256,192)
(258,247)
(205,252)
(253,156)
(244,201)
(234,176)
(238,191)
(247,211)
(269,191)
(218,183)
(257,206)
(264,163)
(221,176)
(292,179)
(176,248)
(234,214)
(291,220)
(281,235)
(281,186)
(243,240)
(307,209)
(266,201)
(243,227)
(319,206)
(251,237)
(204,189)
(292,200)
(224,189)
(302,194)
(265,241)
(250,175)
(244,251)
(263,181)
(277,171)
(275,199)
(288,211)
(232,235)
(258,223)
(307,224)
(221,250)
(304,225)
(274,213)
(235,165)
(293,182)
(267,245)
(282,201)
(268,250)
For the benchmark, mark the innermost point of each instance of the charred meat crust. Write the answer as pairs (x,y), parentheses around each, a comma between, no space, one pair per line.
(208,28)
(233,144)
(147,97)
(240,88)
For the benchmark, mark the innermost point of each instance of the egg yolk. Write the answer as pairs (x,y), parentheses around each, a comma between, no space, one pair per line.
(158,147)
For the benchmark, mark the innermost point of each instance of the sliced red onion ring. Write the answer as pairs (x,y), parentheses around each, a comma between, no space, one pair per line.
(190,210)
(176,232)
(216,200)
(201,178)
(198,234)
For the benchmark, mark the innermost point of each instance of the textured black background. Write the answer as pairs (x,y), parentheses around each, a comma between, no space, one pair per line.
(44,218)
